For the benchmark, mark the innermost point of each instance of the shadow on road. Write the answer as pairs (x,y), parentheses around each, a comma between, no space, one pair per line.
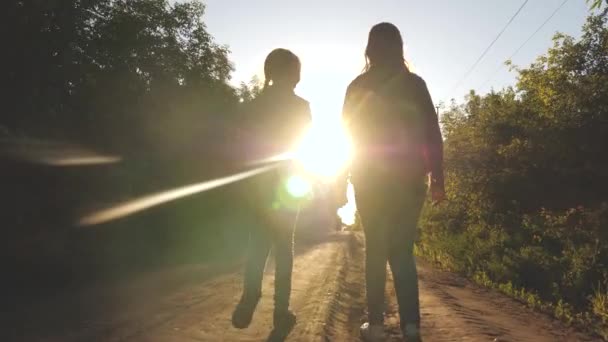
(279,334)
(63,312)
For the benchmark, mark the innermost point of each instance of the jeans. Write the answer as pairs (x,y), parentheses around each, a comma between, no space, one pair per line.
(389,213)
(269,232)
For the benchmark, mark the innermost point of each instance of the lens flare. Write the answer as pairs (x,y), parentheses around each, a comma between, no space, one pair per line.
(52,153)
(146,202)
(297,186)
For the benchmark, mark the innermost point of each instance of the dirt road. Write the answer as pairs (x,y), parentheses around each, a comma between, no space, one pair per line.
(194,303)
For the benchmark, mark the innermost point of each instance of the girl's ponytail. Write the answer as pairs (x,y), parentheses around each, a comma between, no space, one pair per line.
(266,81)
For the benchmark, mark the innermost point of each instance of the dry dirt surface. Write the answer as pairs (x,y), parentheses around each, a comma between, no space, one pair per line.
(455,309)
(195,303)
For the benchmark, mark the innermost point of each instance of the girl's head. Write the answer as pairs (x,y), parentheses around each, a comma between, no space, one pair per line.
(385,47)
(282,68)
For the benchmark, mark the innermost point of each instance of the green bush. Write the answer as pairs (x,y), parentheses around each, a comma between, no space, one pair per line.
(527,179)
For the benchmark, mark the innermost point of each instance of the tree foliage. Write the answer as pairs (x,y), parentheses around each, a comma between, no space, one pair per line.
(111,73)
(596,3)
(527,175)
(142,79)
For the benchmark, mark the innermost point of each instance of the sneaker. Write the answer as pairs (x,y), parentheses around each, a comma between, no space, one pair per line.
(284,319)
(411,333)
(373,332)
(243,314)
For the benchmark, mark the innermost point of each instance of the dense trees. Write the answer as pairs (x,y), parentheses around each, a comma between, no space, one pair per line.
(142,79)
(527,176)
(112,73)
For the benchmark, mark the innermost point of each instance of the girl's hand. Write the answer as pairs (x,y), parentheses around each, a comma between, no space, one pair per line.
(437,194)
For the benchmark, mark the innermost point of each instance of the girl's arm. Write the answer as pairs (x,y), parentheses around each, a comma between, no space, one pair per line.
(434,142)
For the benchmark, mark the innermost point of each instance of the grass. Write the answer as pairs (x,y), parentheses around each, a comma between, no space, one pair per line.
(594,321)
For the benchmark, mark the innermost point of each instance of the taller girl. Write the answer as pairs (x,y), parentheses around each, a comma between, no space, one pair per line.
(398,144)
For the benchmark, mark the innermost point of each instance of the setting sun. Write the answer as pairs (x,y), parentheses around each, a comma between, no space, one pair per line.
(325,150)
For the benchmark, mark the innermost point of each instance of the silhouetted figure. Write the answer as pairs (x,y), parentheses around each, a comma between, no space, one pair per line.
(275,119)
(395,129)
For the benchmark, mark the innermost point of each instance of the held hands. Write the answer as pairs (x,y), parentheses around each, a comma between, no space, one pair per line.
(437,195)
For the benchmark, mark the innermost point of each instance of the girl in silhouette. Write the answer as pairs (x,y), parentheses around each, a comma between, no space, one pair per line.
(392,120)
(276,118)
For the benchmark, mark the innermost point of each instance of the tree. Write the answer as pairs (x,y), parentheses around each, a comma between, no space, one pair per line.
(527,177)
(596,3)
(249,91)
(142,79)
(97,70)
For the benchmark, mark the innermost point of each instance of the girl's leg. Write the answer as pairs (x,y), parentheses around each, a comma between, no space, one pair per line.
(401,255)
(403,266)
(375,272)
(283,247)
(283,236)
(259,247)
(376,251)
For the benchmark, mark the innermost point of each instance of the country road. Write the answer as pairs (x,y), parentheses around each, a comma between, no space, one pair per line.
(194,303)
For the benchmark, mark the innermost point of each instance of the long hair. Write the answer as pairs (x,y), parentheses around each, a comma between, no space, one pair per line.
(279,62)
(385,48)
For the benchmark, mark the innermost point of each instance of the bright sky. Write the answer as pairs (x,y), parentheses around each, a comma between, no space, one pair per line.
(443,39)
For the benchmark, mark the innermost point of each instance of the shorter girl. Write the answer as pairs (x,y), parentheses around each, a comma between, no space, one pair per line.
(276,118)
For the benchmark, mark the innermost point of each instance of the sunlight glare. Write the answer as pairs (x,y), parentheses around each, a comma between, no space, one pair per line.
(139,204)
(324,150)
(52,153)
(297,186)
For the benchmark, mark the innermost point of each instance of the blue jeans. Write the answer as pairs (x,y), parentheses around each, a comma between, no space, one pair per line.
(274,231)
(389,213)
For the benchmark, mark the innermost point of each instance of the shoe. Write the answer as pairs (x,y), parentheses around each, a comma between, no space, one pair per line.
(243,314)
(284,319)
(411,333)
(372,332)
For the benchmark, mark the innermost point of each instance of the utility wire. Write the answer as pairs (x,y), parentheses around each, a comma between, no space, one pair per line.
(489,46)
(524,43)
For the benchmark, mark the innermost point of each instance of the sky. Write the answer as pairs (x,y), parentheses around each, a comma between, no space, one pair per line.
(443,39)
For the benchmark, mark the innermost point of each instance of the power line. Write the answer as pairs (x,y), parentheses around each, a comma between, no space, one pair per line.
(489,46)
(524,43)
